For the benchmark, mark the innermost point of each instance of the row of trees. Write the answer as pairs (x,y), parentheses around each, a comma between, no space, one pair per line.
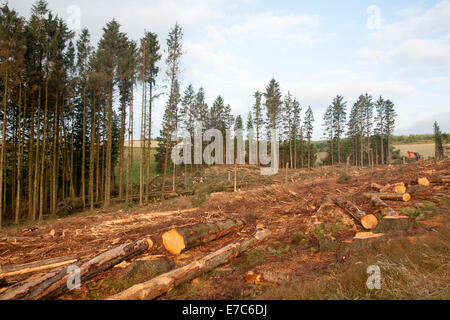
(270,111)
(368,137)
(67,109)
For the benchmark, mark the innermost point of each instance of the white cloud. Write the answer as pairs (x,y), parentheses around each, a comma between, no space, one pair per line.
(273,27)
(424,52)
(434,20)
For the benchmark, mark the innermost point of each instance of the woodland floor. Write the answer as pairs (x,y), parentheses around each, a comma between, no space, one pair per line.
(307,236)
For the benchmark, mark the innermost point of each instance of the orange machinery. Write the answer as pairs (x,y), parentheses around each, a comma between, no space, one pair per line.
(415,156)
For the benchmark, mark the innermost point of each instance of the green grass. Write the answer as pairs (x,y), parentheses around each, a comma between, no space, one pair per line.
(419,270)
(135,169)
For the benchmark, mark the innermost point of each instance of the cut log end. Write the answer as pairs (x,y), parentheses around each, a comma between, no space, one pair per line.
(423,182)
(173,241)
(400,188)
(369,221)
(406,197)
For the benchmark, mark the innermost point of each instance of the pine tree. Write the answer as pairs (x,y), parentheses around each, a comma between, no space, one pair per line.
(339,117)
(380,125)
(152,57)
(328,130)
(296,125)
(390,115)
(11,38)
(288,123)
(84,50)
(438,148)
(174,53)
(308,125)
(109,50)
(127,65)
(273,104)
(258,120)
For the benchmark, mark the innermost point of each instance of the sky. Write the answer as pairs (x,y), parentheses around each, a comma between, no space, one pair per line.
(314,49)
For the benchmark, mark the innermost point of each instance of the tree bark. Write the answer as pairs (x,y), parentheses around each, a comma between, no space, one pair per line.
(108,150)
(391,196)
(388,211)
(179,239)
(368,221)
(44,132)
(13,270)
(161,284)
(2,152)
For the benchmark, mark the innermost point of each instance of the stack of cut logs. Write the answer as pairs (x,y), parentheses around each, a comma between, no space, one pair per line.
(61,272)
(391,220)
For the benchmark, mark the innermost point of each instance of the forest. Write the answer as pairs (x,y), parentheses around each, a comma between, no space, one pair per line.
(67,111)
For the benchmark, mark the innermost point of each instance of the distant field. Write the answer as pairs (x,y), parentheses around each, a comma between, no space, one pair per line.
(425,149)
(137,143)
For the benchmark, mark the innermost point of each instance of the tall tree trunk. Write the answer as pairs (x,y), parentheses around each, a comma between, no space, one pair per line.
(36,166)
(44,132)
(19,155)
(338,138)
(130,149)
(295,151)
(108,149)
(149,148)
(30,162)
(121,150)
(83,153)
(2,152)
(166,155)
(388,160)
(91,158)
(141,161)
(54,160)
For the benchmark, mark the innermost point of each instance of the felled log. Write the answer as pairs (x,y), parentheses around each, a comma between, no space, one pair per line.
(53,284)
(166,281)
(391,196)
(394,223)
(423,182)
(368,221)
(14,270)
(445,179)
(376,186)
(266,277)
(179,239)
(396,187)
(380,203)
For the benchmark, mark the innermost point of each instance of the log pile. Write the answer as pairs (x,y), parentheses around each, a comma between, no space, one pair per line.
(53,284)
(163,283)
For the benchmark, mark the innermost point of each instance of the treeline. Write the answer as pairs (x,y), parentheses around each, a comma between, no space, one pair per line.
(270,111)
(362,137)
(67,109)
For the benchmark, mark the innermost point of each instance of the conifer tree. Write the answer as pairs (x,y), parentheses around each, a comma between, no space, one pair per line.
(308,125)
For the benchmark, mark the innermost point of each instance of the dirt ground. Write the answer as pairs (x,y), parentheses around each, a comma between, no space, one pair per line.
(307,230)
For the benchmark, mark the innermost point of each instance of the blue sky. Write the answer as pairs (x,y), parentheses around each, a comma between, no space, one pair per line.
(314,49)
